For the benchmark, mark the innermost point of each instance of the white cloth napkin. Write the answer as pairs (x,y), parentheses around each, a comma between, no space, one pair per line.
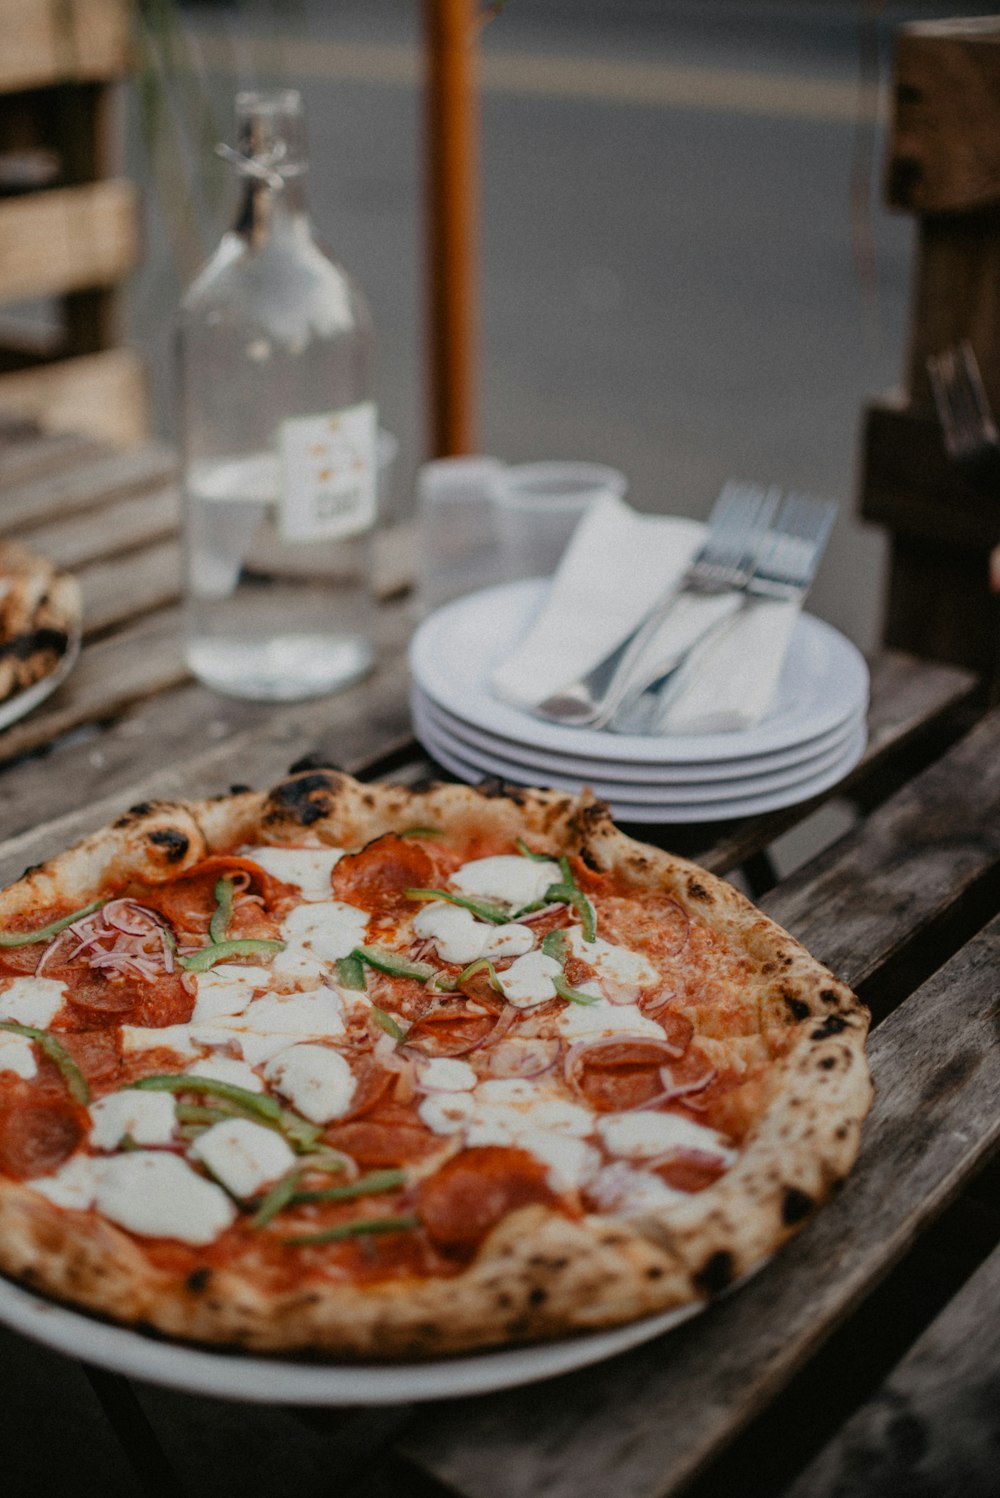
(618,564)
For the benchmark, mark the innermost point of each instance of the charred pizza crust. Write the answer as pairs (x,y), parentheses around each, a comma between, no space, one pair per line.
(40,611)
(538,1273)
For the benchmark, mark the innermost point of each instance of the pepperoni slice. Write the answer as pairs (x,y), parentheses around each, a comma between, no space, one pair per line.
(475,1190)
(373,1082)
(97,1000)
(376,878)
(379,1141)
(658,926)
(622,1075)
(189,902)
(96,1052)
(37,1136)
(450,1032)
(691,1170)
(677,1028)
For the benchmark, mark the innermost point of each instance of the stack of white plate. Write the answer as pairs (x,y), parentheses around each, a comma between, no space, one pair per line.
(814,734)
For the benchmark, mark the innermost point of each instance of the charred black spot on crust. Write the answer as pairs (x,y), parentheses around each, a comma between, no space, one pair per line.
(588,858)
(240,790)
(174,843)
(796,1206)
(135,813)
(198,1279)
(697,891)
(313,761)
(424,784)
(828,1063)
(834,1024)
(829,996)
(716,1273)
(537,1296)
(796,1007)
(655,1272)
(31,869)
(495,789)
(307,798)
(35,642)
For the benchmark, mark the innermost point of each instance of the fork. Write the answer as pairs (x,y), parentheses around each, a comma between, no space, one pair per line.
(736,526)
(785,565)
(970,430)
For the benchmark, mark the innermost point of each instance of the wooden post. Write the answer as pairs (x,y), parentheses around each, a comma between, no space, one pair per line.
(451,169)
(944,167)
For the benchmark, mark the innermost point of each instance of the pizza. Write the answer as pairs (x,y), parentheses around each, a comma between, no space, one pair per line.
(367,1072)
(39,617)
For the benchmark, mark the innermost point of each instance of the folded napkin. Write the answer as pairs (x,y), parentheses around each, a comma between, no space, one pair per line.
(618,564)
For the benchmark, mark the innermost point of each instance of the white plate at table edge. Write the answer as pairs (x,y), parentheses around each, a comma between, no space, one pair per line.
(665,811)
(625,775)
(260,1380)
(451,655)
(21,703)
(635,791)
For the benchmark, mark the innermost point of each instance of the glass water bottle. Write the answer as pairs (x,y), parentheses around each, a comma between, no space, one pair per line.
(279,437)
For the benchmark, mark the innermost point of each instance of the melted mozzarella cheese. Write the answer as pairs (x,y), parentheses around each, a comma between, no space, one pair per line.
(315,1079)
(73,1185)
(17,1054)
(528,980)
(643,1135)
(297,964)
(227,989)
(622,1188)
(325,930)
(147,1117)
(571,1162)
(621,973)
(460,938)
(227,1069)
(157,1195)
(583,1021)
(446,1074)
(308,868)
(31,1001)
(446,1112)
(243,1155)
(176,1038)
(275,1021)
(507,877)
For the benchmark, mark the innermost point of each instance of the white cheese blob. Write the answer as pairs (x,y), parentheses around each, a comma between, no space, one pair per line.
(17,1054)
(621,973)
(316,1080)
(32,1001)
(298,965)
(581,1021)
(227,1069)
(73,1185)
(528,980)
(445,1074)
(175,1038)
(275,1021)
(325,930)
(227,989)
(622,1188)
(460,938)
(147,1117)
(571,1162)
(308,868)
(243,1155)
(507,877)
(508,1108)
(446,1112)
(157,1195)
(643,1135)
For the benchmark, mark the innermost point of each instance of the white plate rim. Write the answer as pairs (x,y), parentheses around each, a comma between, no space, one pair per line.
(463,695)
(626,775)
(257,1380)
(674,814)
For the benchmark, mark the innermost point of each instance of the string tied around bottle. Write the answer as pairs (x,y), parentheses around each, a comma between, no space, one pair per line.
(262,167)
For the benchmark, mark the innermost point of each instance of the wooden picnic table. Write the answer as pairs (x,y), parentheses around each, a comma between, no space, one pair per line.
(864,1359)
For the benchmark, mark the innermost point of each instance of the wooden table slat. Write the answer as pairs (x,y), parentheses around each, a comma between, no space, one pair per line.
(642,1424)
(117,528)
(91,481)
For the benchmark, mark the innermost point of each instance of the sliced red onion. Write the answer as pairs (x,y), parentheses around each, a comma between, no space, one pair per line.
(686,934)
(602,1042)
(525,1059)
(539,915)
(688,1152)
(673,1090)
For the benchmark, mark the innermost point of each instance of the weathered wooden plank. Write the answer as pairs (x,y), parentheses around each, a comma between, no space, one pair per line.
(912,864)
(190,742)
(934,1426)
(68,239)
(27,454)
(95,478)
(118,590)
(643,1424)
(50,43)
(103,394)
(119,526)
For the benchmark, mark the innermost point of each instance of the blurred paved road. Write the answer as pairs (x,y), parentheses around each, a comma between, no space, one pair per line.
(671,273)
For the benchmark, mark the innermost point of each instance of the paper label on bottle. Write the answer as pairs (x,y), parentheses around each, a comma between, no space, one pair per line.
(329,473)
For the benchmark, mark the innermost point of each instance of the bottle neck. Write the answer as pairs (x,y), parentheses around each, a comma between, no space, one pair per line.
(266,211)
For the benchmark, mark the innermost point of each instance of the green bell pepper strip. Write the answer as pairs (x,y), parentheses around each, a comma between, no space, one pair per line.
(302,1134)
(573,995)
(280,1194)
(571,894)
(527,852)
(555,944)
(206,957)
(26,938)
(422,832)
(360,1227)
(76,1082)
(351,972)
(497,915)
(387,1023)
(481,965)
(225,898)
(386,961)
(370,1185)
